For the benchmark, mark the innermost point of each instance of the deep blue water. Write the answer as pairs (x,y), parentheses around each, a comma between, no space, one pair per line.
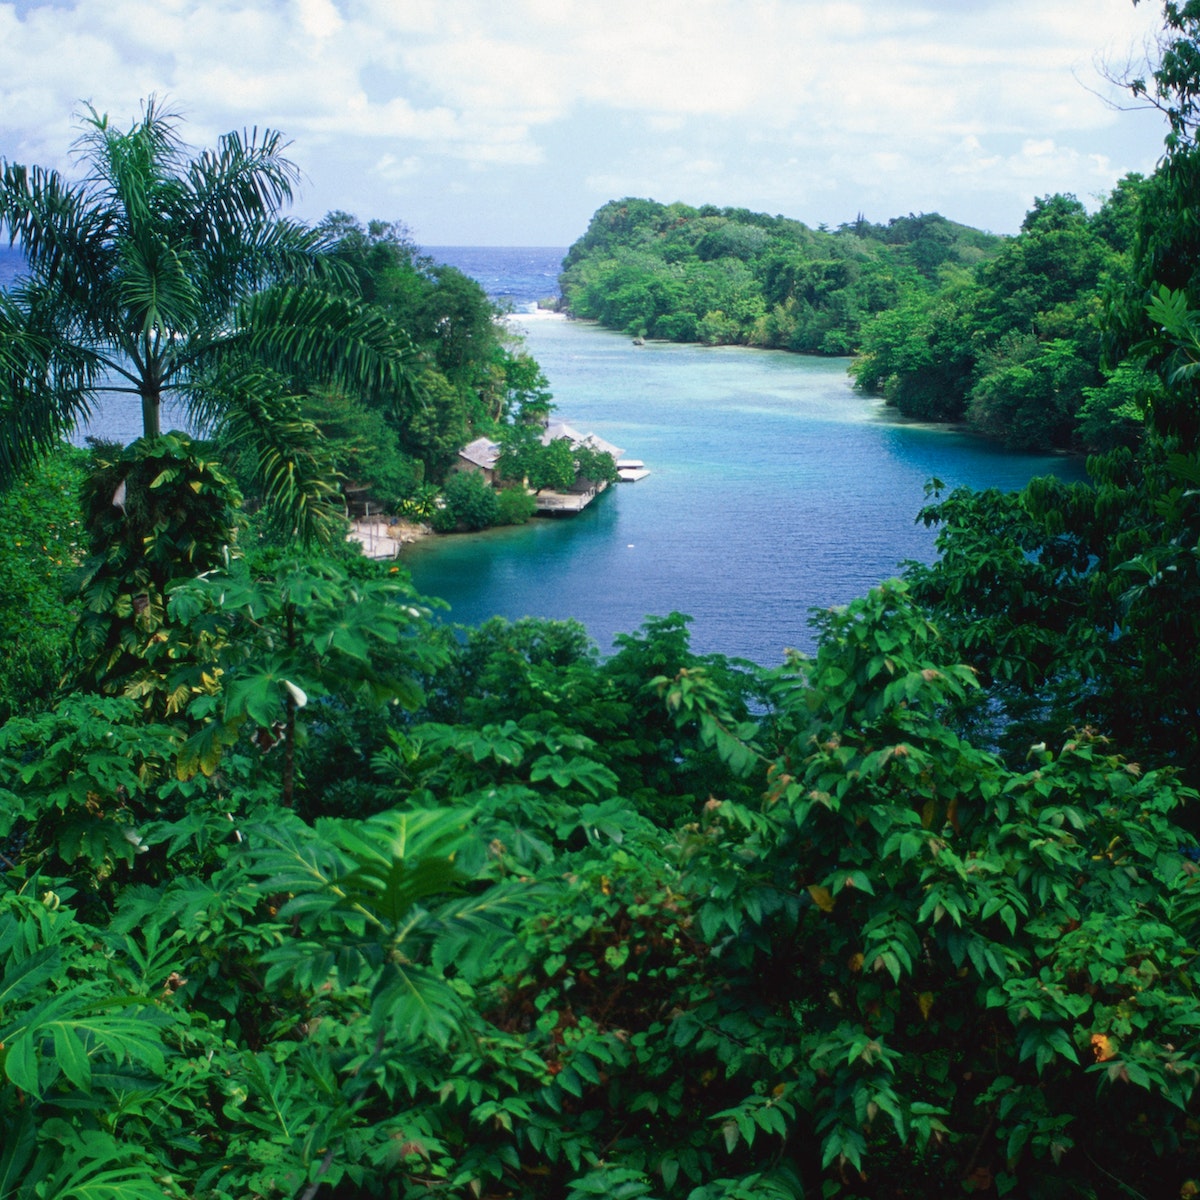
(519,276)
(522,275)
(10,265)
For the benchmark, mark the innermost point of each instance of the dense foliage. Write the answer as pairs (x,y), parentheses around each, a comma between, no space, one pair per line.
(591,930)
(303,895)
(41,531)
(1013,348)
(732,276)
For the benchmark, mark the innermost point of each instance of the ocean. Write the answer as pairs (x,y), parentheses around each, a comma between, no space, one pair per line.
(514,276)
(519,276)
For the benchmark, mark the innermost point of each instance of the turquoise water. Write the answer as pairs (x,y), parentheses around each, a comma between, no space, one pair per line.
(775,488)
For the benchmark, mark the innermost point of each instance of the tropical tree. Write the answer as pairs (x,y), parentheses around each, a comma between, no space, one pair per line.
(159,275)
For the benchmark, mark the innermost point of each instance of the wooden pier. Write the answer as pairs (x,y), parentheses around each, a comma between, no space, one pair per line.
(557,503)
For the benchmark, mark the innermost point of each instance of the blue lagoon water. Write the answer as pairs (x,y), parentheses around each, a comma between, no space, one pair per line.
(775,488)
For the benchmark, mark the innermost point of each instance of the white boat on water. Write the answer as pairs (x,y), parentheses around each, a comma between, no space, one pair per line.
(630,470)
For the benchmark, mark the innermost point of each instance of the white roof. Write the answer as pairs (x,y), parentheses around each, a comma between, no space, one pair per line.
(560,429)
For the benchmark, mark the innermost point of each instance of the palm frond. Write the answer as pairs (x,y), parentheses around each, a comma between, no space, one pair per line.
(128,170)
(314,333)
(46,384)
(287,251)
(292,463)
(156,287)
(235,263)
(246,178)
(66,241)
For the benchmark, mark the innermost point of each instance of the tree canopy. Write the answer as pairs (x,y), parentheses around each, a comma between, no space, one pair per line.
(732,276)
(1013,348)
(160,275)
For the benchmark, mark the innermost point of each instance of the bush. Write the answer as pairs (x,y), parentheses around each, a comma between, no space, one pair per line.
(365,448)
(471,503)
(516,506)
(40,531)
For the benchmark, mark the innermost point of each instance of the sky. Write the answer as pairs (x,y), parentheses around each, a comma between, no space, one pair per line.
(509,122)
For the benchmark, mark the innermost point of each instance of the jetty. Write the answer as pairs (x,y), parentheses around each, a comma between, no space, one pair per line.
(560,503)
(383,538)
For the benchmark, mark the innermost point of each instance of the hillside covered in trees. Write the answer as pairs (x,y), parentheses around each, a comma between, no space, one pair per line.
(302,895)
(729,276)
(946,322)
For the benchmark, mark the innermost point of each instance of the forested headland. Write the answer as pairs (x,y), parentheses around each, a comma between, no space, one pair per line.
(948,323)
(303,896)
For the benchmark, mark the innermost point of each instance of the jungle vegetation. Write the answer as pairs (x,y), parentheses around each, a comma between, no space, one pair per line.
(302,895)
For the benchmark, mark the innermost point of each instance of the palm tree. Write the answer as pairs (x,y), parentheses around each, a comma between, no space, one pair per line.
(162,275)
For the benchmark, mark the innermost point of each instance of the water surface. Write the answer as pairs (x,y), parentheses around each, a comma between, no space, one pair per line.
(775,488)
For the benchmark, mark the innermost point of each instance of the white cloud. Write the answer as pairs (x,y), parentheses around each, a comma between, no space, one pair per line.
(392,169)
(890,96)
(319,18)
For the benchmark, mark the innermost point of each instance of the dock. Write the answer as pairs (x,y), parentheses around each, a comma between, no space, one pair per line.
(558,503)
(383,539)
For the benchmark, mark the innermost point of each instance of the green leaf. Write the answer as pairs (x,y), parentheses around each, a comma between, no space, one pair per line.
(20,1064)
(27,975)
(564,773)
(71,1056)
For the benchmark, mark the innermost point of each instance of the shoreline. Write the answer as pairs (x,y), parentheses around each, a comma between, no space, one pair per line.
(380,539)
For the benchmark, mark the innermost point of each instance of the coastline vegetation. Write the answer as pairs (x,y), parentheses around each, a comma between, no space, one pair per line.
(730,276)
(302,895)
(946,322)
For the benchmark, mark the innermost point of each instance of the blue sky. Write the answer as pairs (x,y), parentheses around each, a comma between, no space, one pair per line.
(509,122)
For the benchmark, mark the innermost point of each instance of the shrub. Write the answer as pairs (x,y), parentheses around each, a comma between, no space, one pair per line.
(40,531)
(516,506)
(470,502)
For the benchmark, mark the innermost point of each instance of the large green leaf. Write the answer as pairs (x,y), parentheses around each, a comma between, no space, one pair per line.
(68,1029)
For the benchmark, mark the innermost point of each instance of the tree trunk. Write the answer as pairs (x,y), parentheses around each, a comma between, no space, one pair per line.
(151,412)
(287,791)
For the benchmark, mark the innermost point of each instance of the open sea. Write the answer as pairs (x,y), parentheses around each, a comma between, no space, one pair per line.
(774,489)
